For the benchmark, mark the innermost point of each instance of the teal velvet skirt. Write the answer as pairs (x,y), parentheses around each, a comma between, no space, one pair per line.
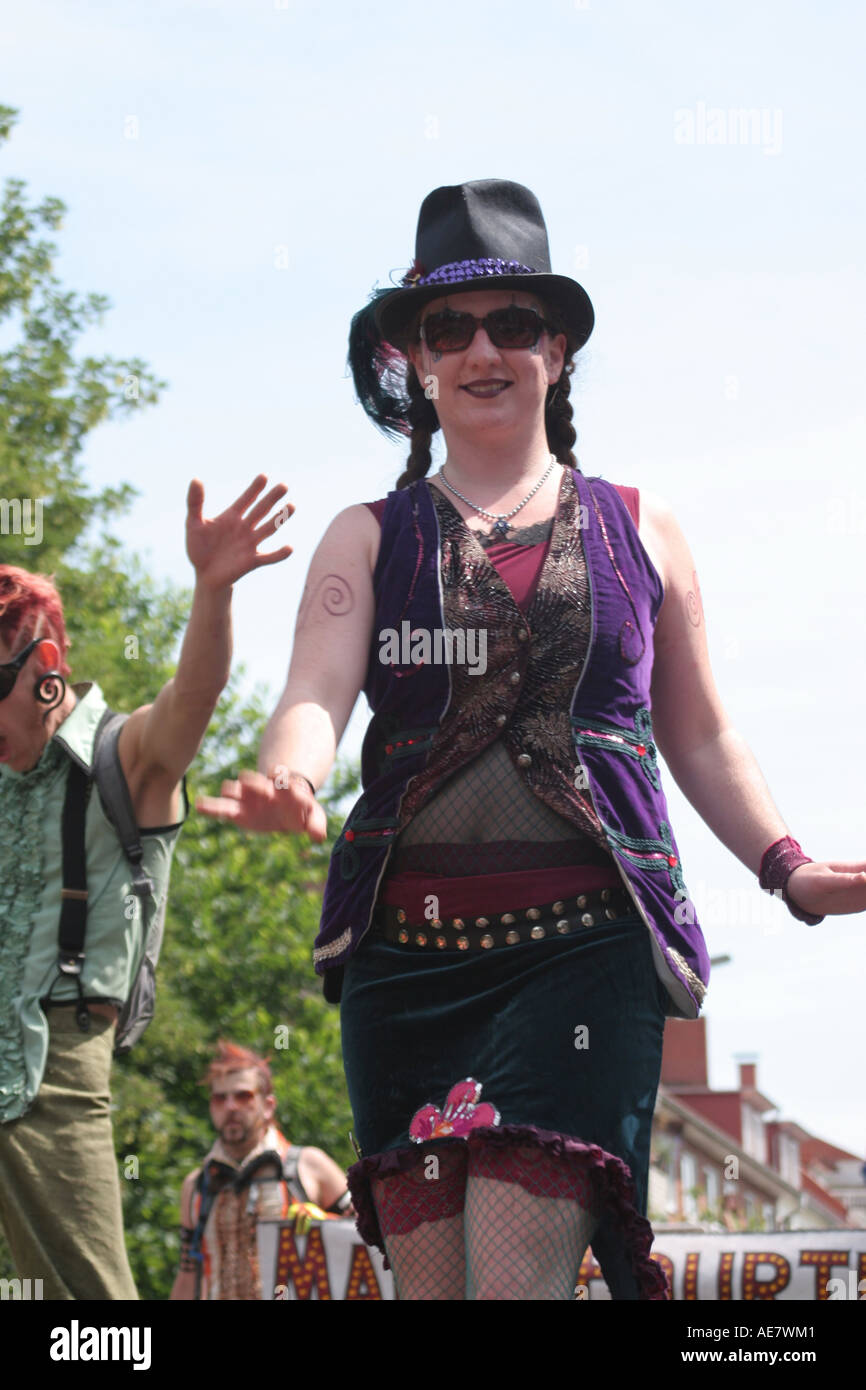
(564,1037)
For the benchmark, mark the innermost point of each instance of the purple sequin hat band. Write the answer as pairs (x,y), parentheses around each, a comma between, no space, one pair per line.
(458,271)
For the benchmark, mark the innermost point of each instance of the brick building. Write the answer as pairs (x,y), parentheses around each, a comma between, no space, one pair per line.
(725,1160)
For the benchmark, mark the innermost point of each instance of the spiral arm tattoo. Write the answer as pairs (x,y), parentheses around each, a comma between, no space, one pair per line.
(693,602)
(334,593)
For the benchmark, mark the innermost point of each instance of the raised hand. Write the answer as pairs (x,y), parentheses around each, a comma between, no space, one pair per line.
(829,888)
(254,802)
(226,548)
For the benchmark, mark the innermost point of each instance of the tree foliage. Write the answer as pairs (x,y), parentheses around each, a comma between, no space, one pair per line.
(243,909)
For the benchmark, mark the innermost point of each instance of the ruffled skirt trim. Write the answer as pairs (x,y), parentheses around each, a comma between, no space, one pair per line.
(603,1180)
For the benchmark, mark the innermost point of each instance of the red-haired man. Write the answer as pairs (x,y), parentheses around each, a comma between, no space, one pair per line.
(251,1173)
(59,1186)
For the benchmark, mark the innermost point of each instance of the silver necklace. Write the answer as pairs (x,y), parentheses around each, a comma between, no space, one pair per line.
(500,519)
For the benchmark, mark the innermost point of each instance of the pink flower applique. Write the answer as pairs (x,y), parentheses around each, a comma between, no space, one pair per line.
(461,1113)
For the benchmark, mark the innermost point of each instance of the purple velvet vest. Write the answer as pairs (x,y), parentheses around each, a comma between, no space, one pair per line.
(610,721)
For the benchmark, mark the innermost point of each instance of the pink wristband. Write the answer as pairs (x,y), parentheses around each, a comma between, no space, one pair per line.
(777,865)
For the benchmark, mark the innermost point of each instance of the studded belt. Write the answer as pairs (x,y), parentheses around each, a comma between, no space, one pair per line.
(561,918)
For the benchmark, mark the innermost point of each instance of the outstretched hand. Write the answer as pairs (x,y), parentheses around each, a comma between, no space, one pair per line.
(226,548)
(829,889)
(255,802)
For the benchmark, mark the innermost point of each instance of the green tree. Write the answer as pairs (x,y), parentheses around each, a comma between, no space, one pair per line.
(243,909)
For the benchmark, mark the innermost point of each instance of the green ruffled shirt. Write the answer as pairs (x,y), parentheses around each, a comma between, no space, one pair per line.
(31,877)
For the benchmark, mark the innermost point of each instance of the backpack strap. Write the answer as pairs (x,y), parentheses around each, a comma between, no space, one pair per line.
(138,1010)
(290,1172)
(207,1190)
(116,801)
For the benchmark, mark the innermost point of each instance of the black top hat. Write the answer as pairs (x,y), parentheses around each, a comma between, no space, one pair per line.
(489,234)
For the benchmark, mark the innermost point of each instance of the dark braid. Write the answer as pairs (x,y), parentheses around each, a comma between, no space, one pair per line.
(423,423)
(558,412)
(561,434)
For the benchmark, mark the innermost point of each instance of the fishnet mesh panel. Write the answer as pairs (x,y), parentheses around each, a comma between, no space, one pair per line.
(472,823)
(497,1223)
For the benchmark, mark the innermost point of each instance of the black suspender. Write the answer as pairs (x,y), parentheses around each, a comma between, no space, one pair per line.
(73,909)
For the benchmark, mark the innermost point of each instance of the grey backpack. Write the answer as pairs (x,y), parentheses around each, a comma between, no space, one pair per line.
(137,1012)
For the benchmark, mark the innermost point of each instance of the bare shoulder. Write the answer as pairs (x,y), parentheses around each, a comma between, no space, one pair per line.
(657,523)
(129,744)
(155,793)
(354,528)
(317,1161)
(675,563)
(321,1176)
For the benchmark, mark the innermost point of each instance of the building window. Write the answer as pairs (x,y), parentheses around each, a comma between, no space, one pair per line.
(711,1179)
(753,1134)
(689,1179)
(789,1159)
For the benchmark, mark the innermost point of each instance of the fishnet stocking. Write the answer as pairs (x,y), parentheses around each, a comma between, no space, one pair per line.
(520,1247)
(429,1263)
(528,1221)
(421,1217)
(483,1223)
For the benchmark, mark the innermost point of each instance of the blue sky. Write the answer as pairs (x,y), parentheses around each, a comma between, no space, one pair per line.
(239,177)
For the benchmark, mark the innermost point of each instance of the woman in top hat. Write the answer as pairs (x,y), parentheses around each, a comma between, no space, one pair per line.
(505,920)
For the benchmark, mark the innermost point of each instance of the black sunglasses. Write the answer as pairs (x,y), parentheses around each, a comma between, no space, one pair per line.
(9,670)
(511,327)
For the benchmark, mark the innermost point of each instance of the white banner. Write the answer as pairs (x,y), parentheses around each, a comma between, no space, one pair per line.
(331,1262)
(778,1265)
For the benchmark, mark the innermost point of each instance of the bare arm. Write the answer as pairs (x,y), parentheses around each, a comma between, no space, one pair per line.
(184,1284)
(159,741)
(328,665)
(323,1180)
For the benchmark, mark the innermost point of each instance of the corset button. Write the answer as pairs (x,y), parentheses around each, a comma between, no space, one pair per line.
(524,760)
(522,635)
(514,677)
(501,719)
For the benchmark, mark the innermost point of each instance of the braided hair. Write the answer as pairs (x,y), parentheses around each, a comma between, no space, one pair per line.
(390,392)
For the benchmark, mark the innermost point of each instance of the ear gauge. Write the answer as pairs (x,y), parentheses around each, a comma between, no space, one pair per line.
(50,690)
